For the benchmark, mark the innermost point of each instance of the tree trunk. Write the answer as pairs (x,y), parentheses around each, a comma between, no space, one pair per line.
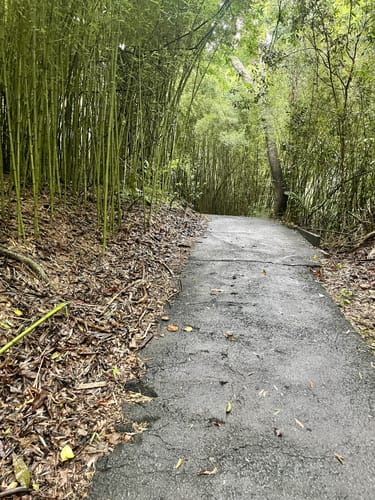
(281,197)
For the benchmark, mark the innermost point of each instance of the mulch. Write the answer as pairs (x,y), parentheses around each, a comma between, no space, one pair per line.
(64,385)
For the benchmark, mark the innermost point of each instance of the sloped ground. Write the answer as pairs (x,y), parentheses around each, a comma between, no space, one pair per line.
(350,279)
(64,384)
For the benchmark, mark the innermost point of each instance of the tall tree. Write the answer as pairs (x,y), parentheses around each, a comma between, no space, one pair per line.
(281,196)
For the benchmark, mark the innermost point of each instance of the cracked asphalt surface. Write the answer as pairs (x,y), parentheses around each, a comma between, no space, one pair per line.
(299,380)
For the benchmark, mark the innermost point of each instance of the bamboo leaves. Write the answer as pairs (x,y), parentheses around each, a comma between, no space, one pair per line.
(89,95)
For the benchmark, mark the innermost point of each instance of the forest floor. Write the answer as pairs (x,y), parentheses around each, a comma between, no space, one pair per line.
(63,386)
(350,280)
(65,383)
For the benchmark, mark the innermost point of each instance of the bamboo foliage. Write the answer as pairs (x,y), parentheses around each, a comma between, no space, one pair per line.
(116,99)
(330,145)
(89,93)
(318,85)
(222,166)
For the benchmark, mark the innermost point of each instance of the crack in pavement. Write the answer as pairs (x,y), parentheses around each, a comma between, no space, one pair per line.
(263,262)
(168,445)
(314,351)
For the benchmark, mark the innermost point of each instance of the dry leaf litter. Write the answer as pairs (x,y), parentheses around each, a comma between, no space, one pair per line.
(63,386)
(350,279)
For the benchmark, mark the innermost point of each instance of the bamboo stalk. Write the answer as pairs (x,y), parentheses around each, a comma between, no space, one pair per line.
(32,327)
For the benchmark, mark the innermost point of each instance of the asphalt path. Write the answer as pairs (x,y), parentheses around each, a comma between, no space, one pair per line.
(270,396)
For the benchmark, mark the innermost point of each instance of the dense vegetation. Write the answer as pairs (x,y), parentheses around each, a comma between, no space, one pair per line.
(124,98)
(306,88)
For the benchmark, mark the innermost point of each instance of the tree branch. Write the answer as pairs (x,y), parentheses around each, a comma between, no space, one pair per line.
(25,260)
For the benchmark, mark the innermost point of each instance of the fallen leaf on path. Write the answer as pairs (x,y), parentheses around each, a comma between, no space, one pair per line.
(299,423)
(114,438)
(179,463)
(137,397)
(262,393)
(277,411)
(139,428)
(264,273)
(143,299)
(39,400)
(188,329)
(228,408)
(311,384)
(216,291)
(172,328)
(340,458)
(18,312)
(208,472)
(133,344)
(165,318)
(230,336)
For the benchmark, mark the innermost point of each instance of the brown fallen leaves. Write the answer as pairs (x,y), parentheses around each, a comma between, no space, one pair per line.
(62,387)
(340,458)
(208,472)
(350,280)
(172,328)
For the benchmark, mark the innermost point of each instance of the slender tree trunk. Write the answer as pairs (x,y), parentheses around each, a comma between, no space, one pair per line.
(281,197)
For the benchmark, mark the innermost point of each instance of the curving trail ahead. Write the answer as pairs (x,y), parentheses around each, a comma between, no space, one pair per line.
(299,381)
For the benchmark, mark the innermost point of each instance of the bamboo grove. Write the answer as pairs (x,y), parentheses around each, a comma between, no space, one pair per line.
(329,148)
(108,100)
(88,97)
(310,82)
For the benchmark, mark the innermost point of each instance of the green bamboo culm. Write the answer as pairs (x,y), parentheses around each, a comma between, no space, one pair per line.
(32,327)
(89,100)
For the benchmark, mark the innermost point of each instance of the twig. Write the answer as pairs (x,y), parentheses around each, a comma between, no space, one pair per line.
(145,342)
(365,238)
(166,267)
(25,260)
(117,295)
(32,327)
(15,491)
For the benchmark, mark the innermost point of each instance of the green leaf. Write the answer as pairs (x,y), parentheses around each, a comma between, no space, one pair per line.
(66,453)
(21,471)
